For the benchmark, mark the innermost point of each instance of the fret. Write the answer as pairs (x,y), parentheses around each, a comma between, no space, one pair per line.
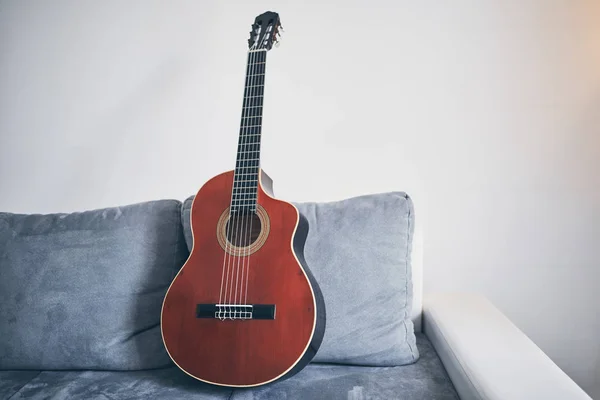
(244,203)
(244,183)
(253,102)
(247,122)
(256,74)
(249,134)
(249,147)
(247,195)
(236,175)
(253,90)
(251,143)
(252,169)
(246,130)
(252,138)
(252,166)
(253,98)
(255,80)
(252,105)
(252,133)
(241,203)
(250,123)
(240,183)
(252,108)
(236,195)
(245,189)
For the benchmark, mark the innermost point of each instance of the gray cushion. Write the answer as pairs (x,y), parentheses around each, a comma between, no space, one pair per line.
(12,381)
(359,250)
(84,290)
(156,384)
(423,380)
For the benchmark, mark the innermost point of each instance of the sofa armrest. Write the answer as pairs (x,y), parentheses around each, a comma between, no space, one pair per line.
(487,356)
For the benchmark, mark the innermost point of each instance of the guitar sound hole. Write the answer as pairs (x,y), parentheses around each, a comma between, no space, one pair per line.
(243,229)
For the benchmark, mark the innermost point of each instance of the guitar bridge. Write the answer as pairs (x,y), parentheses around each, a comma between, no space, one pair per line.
(235,311)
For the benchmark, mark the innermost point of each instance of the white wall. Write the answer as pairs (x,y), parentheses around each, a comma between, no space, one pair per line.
(486,112)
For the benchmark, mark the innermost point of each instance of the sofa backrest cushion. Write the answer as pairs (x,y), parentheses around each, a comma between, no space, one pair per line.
(84,290)
(359,251)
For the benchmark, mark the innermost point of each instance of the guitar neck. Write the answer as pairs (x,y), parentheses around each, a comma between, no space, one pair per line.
(245,183)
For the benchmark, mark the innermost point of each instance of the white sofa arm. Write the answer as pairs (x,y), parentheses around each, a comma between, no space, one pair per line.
(487,356)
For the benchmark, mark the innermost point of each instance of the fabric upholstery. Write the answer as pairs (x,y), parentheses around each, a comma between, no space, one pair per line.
(84,290)
(487,356)
(359,251)
(12,381)
(424,380)
(158,384)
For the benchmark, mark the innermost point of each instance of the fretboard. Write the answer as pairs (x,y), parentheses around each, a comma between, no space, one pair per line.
(245,181)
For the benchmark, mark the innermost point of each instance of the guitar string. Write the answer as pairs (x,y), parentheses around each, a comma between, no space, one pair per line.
(230,227)
(242,232)
(244,191)
(242,218)
(257,147)
(238,212)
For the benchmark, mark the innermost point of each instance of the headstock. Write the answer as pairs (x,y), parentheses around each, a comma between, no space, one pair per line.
(264,31)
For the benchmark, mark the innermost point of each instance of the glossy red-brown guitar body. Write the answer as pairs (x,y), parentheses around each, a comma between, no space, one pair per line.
(244,352)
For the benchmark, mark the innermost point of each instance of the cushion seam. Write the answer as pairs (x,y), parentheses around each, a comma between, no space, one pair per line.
(25,384)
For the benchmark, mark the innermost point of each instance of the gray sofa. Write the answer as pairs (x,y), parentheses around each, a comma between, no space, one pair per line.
(80,298)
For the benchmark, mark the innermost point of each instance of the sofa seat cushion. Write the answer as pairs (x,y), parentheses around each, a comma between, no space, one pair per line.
(425,379)
(12,381)
(165,383)
(84,290)
(359,251)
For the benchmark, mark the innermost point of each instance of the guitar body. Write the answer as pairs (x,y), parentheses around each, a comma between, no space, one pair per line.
(265,268)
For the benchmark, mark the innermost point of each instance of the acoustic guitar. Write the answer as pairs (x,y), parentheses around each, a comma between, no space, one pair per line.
(245,310)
